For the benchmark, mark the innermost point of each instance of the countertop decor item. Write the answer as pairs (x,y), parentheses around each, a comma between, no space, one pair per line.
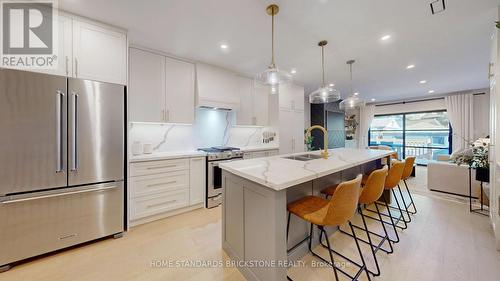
(136,148)
(353,101)
(325,93)
(147,148)
(272,76)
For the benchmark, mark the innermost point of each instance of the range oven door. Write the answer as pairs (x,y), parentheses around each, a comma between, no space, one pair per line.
(214,186)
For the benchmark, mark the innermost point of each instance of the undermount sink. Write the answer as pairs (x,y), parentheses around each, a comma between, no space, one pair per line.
(304,157)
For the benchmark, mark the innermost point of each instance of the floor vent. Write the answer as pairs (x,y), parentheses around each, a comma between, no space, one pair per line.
(437,6)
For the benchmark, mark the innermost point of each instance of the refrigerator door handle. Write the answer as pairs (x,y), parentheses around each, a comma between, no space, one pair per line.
(74,134)
(59,131)
(25,199)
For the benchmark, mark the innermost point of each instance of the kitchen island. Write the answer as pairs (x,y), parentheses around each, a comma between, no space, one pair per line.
(256,192)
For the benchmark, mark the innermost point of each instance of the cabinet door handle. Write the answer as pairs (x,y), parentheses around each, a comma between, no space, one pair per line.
(67,62)
(160,204)
(490,73)
(167,118)
(160,167)
(163,115)
(161,183)
(76,67)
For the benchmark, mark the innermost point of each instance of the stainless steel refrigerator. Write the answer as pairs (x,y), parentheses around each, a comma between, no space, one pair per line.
(61,162)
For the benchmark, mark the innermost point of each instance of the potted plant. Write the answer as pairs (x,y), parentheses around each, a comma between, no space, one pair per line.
(475,157)
(350,126)
(480,159)
(308,140)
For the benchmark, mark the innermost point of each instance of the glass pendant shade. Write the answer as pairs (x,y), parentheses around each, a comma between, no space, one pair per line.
(352,102)
(272,77)
(324,95)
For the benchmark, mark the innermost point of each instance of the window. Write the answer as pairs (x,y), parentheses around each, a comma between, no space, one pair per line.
(424,134)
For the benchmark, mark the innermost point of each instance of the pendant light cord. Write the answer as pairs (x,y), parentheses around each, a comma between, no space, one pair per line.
(273,65)
(323,65)
(350,67)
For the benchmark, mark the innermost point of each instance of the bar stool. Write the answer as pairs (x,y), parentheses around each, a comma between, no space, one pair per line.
(392,180)
(373,187)
(335,212)
(409,162)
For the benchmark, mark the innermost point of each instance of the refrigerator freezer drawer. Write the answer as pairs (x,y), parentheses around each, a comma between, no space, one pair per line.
(30,226)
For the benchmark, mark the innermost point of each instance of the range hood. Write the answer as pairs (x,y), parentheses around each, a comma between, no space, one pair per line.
(217,88)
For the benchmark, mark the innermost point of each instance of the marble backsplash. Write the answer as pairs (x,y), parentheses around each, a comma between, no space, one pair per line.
(211,128)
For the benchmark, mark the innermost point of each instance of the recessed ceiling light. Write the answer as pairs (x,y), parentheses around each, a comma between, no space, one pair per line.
(224,46)
(331,85)
(422,81)
(356,94)
(410,66)
(373,99)
(431,92)
(293,71)
(385,37)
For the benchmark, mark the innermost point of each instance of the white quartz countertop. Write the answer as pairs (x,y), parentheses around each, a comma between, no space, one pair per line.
(166,155)
(279,173)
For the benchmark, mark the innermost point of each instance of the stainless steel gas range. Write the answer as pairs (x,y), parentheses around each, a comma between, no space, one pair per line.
(215,156)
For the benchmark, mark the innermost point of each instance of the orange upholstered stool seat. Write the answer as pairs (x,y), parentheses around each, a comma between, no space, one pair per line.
(335,212)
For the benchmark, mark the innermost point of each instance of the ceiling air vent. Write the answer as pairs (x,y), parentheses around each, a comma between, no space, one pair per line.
(437,6)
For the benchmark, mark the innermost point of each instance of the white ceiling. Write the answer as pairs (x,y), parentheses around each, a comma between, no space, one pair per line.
(450,50)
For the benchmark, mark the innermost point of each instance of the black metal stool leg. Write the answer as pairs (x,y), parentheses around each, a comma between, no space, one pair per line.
(411,198)
(322,229)
(392,220)
(360,253)
(377,273)
(400,210)
(404,205)
(385,230)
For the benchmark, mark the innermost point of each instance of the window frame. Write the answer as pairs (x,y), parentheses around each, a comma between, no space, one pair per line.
(404,130)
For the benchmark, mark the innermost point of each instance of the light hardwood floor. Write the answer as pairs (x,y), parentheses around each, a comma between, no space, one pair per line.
(444,242)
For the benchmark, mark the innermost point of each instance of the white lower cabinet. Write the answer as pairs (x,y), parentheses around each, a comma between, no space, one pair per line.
(197,180)
(260,154)
(162,188)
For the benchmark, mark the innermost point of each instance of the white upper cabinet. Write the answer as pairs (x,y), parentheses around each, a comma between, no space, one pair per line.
(99,53)
(64,51)
(291,96)
(179,91)
(217,87)
(254,104)
(244,115)
(147,86)
(161,88)
(261,106)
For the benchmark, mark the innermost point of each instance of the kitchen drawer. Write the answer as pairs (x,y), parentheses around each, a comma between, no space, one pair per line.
(50,221)
(153,184)
(156,204)
(158,167)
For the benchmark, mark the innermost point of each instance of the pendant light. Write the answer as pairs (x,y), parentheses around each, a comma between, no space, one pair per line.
(324,94)
(272,76)
(353,101)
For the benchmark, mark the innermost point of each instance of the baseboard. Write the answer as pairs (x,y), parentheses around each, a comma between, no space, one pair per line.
(166,214)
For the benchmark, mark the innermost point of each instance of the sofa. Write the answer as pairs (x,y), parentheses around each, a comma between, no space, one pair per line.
(444,176)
